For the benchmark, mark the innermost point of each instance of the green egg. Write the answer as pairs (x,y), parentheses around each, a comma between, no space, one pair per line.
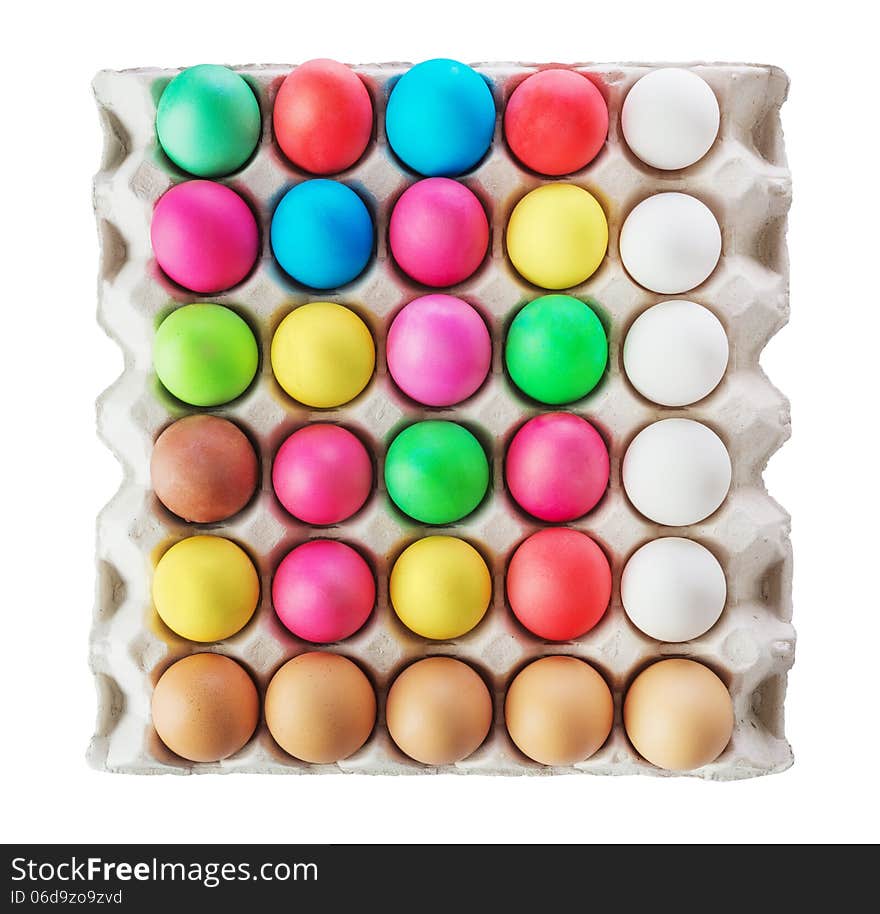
(208,121)
(436,472)
(556,349)
(205,354)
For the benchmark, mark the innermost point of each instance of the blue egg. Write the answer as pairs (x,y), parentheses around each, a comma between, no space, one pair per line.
(440,118)
(322,234)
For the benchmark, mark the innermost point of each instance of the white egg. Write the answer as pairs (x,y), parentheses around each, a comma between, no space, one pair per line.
(676,472)
(670,243)
(675,353)
(670,118)
(673,589)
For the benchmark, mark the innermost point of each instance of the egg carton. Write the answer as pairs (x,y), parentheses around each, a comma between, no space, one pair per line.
(743,179)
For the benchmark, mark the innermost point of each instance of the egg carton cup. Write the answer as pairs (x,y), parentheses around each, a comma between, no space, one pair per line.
(743,179)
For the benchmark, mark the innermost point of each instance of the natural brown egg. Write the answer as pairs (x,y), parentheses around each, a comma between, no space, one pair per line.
(205,707)
(439,711)
(204,469)
(320,707)
(559,710)
(678,714)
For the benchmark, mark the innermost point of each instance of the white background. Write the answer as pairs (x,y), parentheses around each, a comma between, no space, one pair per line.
(55,361)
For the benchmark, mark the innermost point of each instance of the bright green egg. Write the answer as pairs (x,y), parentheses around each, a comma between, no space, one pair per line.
(556,349)
(436,472)
(205,354)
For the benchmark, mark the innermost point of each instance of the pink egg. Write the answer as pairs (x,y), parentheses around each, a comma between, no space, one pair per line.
(557,467)
(439,233)
(439,350)
(204,236)
(323,591)
(322,474)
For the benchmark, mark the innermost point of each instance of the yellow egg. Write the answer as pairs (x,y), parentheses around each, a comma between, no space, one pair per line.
(205,588)
(323,354)
(557,236)
(440,587)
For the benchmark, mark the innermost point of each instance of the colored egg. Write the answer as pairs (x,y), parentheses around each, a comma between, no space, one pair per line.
(440,118)
(323,354)
(205,707)
(323,591)
(436,472)
(670,118)
(322,234)
(678,715)
(205,354)
(558,711)
(204,236)
(204,469)
(323,117)
(556,122)
(439,711)
(556,349)
(438,233)
(676,472)
(440,587)
(557,236)
(205,588)
(673,589)
(559,584)
(322,474)
(670,243)
(557,467)
(439,350)
(208,121)
(675,353)
(320,707)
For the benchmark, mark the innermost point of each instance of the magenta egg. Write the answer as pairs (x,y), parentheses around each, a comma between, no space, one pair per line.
(322,474)
(323,591)
(439,233)
(557,467)
(204,236)
(438,350)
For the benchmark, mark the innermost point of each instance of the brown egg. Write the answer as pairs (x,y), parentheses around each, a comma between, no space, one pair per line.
(439,711)
(678,714)
(320,707)
(204,469)
(559,710)
(205,707)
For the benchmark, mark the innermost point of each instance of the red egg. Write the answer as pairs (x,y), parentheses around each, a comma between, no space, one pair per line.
(556,122)
(323,117)
(559,584)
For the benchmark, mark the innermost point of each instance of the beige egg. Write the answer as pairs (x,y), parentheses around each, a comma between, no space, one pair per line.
(320,707)
(205,707)
(678,714)
(439,711)
(559,710)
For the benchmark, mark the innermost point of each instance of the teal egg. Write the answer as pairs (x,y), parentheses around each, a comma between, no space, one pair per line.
(208,121)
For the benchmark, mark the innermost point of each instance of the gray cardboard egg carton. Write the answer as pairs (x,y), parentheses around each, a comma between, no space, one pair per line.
(745,181)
